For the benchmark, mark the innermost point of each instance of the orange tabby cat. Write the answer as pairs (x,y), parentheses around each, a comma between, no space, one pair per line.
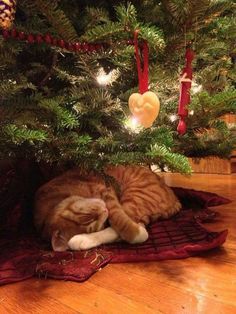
(72,210)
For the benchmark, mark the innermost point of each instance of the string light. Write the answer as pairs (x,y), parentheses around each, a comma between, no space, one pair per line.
(104,78)
(196,88)
(173,117)
(132,124)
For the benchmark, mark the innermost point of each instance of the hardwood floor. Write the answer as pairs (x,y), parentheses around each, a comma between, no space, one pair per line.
(204,284)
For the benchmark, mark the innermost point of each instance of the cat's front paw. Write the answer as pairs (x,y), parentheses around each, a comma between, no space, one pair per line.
(142,235)
(82,242)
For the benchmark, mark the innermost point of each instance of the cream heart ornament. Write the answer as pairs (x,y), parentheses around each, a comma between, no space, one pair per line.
(145,108)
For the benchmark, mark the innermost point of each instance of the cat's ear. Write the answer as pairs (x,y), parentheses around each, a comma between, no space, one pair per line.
(59,241)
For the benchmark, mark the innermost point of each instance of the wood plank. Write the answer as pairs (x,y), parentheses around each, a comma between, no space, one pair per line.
(211,165)
(84,297)
(20,298)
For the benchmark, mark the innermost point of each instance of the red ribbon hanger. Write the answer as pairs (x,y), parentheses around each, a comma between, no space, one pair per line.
(186,83)
(142,70)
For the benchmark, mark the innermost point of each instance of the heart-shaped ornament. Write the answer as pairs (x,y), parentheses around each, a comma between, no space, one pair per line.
(145,108)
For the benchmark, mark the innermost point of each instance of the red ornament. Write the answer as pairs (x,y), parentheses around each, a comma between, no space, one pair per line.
(76,46)
(39,39)
(98,47)
(186,82)
(85,47)
(30,39)
(5,34)
(69,46)
(54,42)
(14,33)
(21,35)
(61,43)
(48,39)
(130,42)
(90,48)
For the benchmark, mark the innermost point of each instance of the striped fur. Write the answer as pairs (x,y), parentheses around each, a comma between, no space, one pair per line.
(72,204)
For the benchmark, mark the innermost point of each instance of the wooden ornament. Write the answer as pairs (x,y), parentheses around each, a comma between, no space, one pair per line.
(145,108)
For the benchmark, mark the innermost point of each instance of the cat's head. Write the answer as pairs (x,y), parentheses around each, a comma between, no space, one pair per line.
(77,215)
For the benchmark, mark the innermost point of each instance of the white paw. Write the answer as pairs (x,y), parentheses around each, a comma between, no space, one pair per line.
(142,235)
(82,242)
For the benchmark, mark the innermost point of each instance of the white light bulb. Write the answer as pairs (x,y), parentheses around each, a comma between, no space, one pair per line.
(106,79)
(103,79)
(196,88)
(133,124)
(173,117)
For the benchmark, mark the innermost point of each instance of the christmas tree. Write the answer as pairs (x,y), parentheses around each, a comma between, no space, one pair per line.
(68,69)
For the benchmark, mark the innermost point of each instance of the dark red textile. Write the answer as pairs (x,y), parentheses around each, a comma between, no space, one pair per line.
(193,199)
(170,239)
(24,256)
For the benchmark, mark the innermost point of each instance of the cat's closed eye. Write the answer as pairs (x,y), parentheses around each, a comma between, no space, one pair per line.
(72,205)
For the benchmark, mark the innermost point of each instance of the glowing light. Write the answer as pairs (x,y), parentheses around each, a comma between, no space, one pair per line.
(173,117)
(196,88)
(13,82)
(133,124)
(106,79)
(191,112)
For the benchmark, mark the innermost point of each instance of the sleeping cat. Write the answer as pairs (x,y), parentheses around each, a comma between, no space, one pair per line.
(72,211)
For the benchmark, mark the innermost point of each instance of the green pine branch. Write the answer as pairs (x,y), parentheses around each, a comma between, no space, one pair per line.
(57,19)
(174,161)
(19,135)
(63,117)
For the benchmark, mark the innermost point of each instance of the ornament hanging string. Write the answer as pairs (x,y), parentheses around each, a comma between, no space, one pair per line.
(142,70)
(186,83)
(144,105)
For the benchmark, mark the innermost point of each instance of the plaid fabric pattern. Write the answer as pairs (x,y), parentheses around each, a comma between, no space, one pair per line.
(23,255)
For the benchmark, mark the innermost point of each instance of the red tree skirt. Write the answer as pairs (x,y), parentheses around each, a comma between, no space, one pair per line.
(169,239)
(179,237)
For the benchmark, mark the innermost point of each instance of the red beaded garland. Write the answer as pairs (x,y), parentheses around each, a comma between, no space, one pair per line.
(61,43)
(69,46)
(14,33)
(21,35)
(39,39)
(48,39)
(30,38)
(54,42)
(5,34)
(77,46)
